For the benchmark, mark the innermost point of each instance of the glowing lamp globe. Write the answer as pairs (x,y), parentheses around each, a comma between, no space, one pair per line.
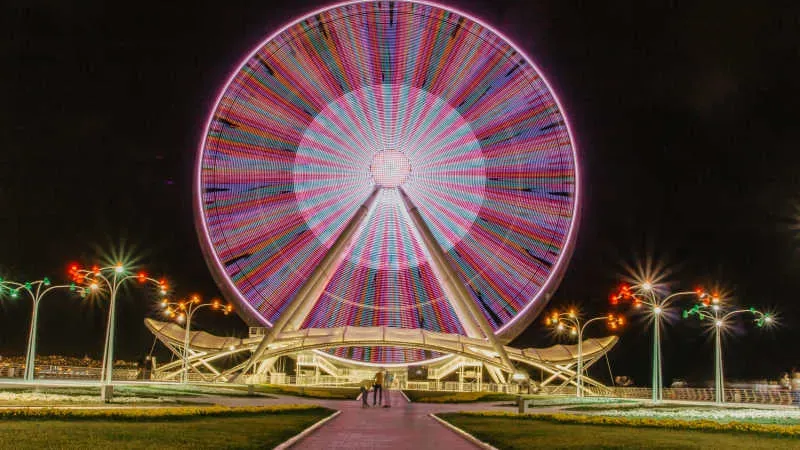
(431,107)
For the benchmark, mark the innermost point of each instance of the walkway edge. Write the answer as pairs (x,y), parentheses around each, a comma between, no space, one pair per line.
(464,434)
(406,396)
(296,438)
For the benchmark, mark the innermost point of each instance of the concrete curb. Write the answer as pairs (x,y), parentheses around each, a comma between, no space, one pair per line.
(298,437)
(463,434)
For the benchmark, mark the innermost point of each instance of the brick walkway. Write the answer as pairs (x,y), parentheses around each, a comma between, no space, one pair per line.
(403,426)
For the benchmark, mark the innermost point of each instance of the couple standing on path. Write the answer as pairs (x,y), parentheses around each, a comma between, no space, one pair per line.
(382,378)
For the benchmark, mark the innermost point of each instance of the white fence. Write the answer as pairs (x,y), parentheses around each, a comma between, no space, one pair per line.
(766,395)
(329,381)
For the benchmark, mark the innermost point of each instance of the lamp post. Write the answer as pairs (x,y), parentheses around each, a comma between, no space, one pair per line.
(36,290)
(711,307)
(111,278)
(571,319)
(646,293)
(183,311)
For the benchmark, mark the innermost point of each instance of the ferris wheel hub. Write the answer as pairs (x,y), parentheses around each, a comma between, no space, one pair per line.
(390,168)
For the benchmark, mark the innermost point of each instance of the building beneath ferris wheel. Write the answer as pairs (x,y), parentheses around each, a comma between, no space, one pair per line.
(386,184)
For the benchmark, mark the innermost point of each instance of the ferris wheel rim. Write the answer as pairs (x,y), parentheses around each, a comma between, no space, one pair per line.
(506,331)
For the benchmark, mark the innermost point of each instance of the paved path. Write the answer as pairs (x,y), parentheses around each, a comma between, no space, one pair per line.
(403,426)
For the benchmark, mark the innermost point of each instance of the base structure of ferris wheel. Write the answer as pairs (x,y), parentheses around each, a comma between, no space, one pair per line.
(479,348)
(465,357)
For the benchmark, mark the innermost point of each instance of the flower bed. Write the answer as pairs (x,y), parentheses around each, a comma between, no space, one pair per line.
(42,397)
(719,414)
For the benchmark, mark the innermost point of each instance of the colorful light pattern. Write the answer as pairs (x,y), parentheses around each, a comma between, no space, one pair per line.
(407,96)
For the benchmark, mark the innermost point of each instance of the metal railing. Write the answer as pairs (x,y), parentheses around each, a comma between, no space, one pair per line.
(757,394)
(765,395)
(254,332)
(53,372)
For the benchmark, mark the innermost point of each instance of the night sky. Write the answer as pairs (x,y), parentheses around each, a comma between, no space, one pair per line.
(684,113)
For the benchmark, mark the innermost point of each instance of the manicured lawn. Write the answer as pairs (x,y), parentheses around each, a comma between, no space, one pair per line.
(456,397)
(252,431)
(178,390)
(578,404)
(335,393)
(473,397)
(521,433)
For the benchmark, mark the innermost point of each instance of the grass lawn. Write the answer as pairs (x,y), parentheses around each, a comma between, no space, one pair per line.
(578,404)
(189,390)
(456,397)
(252,431)
(333,393)
(511,433)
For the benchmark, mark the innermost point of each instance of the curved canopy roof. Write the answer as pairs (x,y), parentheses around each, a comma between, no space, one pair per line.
(310,339)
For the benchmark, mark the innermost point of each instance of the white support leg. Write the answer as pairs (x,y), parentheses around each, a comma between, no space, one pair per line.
(465,308)
(296,312)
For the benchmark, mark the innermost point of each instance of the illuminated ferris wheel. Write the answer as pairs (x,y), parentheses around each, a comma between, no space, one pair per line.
(388,164)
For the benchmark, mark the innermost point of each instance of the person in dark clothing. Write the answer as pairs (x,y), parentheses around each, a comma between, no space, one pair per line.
(377,394)
(365,394)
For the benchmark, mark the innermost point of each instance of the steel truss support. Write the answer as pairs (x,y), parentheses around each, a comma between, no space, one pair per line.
(296,312)
(558,361)
(468,313)
(196,359)
(568,376)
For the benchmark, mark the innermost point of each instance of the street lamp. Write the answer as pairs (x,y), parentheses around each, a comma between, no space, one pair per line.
(36,290)
(711,307)
(111,277)
(571,320)
(646,294)
(183,311)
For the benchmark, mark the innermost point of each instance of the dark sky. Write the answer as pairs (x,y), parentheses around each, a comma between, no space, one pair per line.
(685,115)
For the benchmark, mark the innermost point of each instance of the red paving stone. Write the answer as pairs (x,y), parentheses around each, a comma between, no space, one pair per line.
(403,426)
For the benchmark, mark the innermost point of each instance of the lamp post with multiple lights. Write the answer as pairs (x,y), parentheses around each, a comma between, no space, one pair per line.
(712,307)
(183,311)
(571,320)
(647,294)
(111,278)
(36,290)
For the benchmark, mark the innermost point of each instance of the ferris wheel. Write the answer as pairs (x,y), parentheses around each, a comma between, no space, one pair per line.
(394,164)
